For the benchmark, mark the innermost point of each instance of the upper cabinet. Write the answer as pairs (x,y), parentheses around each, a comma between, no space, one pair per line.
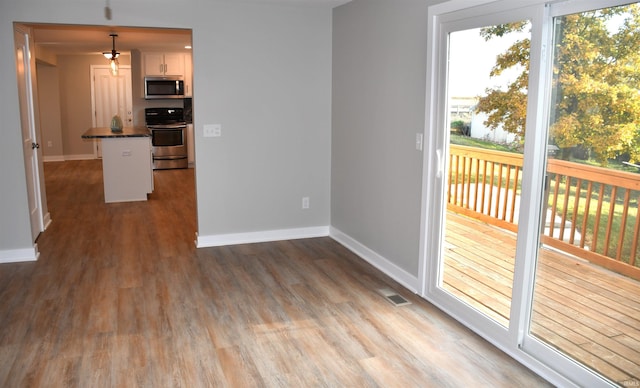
(161,64)
(188,75)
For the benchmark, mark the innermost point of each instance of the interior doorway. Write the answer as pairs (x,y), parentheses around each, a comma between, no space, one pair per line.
(87,98)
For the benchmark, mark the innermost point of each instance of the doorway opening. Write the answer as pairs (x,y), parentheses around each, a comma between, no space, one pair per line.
(66,103)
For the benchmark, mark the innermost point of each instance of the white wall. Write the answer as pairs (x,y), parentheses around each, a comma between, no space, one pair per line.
(262,71)
(379,69)
(480,131)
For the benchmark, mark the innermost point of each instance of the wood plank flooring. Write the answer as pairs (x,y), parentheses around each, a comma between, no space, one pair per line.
(120,297)
(587,312)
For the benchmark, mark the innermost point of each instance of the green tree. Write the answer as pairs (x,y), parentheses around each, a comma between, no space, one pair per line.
(596,83)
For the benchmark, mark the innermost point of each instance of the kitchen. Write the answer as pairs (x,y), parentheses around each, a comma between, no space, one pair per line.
(71,94)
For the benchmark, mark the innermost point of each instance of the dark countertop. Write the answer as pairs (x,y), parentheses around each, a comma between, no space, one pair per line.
(106,132)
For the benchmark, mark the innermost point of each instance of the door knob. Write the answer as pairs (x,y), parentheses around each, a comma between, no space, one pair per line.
(35,145)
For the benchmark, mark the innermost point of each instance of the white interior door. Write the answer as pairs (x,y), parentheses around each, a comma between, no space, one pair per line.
(28,117)
(111,96)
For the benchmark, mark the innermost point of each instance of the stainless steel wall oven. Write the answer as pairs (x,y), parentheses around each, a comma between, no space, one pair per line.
(168,137)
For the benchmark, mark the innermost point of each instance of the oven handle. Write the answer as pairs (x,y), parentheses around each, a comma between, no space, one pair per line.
(156,128)
(169,157)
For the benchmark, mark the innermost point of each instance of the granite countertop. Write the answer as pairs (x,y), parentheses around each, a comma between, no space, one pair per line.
(106,132)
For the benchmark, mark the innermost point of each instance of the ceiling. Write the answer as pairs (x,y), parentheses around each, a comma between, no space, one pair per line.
(80,39)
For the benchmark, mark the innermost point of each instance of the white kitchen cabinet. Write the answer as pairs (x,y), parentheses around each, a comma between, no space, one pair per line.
(190,145)
(127,162)
(127,168)
(188,75)
(161,64)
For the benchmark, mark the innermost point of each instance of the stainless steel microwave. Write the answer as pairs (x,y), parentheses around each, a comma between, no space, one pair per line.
(163,87)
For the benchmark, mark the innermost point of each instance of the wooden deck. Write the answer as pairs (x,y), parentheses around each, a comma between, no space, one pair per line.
(587,312)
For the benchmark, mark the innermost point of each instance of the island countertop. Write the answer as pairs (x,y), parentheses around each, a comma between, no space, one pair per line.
(106,132)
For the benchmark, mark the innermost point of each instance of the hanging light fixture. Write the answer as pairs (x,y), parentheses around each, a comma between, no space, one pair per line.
(112,56)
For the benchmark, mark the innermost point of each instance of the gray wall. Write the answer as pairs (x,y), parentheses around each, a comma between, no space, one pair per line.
(64,94)
(269,86)
(49,103)
(265,73)
(75,100)
(379,70)
(262,71)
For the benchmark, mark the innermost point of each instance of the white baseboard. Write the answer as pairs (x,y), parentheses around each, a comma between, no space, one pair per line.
(80,157)
(389,268)
(383,264)
(53,158)
(19,255)
(46,220)
(262,236)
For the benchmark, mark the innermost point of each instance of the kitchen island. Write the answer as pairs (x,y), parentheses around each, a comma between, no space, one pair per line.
(127,162)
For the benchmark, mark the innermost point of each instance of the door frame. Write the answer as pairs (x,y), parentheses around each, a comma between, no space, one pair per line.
(516,340)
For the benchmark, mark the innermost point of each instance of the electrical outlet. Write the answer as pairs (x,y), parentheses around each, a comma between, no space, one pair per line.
(419,141)
(305,202)
(212,130)
(49,143)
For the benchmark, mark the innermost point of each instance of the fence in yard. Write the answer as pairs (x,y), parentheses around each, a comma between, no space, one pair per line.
(592,212)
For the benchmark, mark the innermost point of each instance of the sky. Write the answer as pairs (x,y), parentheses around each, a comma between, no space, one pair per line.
(471,60)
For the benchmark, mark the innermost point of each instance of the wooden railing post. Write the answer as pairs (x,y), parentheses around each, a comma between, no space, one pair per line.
(545,205)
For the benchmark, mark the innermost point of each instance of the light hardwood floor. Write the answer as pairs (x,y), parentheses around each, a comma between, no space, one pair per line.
(120,297)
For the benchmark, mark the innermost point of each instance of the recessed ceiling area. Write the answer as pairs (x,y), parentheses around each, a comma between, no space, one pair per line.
(81,39)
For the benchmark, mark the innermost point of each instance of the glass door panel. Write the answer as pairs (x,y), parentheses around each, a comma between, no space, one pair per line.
(586,301)
(487,103)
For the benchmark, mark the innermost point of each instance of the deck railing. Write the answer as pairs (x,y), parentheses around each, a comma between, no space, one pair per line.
(592,212)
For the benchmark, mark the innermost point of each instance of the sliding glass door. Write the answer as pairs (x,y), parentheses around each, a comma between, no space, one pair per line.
(533,182)
(484,166)
(586,302)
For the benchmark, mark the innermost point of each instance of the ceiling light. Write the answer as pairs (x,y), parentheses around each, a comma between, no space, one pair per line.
(112,55)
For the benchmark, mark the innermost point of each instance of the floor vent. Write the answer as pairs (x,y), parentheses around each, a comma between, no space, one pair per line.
(393,297)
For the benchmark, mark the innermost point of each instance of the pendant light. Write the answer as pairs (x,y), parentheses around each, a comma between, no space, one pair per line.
(112,56)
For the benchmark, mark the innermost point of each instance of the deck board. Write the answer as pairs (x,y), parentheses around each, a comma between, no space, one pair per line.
(589,313)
